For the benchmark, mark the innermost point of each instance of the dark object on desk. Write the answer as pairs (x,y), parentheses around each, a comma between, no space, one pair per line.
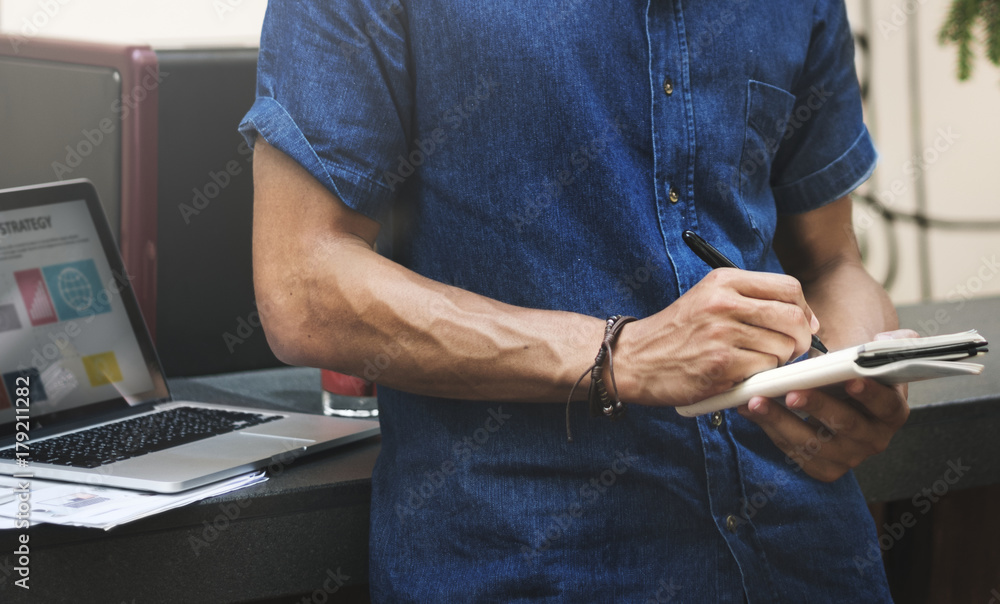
(715,259)
(206,311)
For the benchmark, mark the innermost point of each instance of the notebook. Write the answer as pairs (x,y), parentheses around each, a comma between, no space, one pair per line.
(82,394)
(886,361)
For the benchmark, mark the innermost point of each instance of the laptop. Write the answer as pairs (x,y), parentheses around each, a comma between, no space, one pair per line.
(82,394)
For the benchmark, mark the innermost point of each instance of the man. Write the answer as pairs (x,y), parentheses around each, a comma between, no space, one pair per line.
(537,163)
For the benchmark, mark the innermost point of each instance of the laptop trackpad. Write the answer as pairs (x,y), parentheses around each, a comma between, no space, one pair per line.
(211,457)
(238,446)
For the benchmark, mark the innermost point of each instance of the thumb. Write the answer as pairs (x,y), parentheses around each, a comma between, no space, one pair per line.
(896,334)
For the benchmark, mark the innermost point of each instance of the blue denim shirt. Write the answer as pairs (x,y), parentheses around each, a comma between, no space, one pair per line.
(549,154)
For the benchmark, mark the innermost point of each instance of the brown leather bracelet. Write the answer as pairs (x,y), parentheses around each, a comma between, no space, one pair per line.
(601,402)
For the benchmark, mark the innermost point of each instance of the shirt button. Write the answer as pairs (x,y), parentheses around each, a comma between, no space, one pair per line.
(716,419)
(668,86)
(673,195)
(732,523)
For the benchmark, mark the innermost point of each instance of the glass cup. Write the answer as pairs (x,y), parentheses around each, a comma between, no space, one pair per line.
(348,396)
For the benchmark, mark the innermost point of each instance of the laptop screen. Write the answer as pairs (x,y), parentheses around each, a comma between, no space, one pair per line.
(69,326)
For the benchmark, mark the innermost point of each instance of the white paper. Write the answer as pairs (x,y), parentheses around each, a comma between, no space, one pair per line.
(840,366)
(102,507)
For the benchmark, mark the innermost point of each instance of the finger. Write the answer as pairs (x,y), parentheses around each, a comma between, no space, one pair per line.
(886,403)
(811,449)
(896,334)
(839,418)
(728,368)
(779,317)
(776,287)
(859,434)
(779,346)
(752,362)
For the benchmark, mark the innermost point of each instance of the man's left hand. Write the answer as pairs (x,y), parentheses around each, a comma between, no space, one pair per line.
(843,429)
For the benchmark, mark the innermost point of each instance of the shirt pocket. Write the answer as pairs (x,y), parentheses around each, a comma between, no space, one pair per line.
(768,110)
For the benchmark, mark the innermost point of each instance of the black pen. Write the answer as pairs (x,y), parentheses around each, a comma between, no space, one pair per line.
(715,259)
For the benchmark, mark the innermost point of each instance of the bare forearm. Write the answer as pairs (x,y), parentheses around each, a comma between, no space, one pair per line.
(328,300)
(381,321)
(820,250)
(852,307)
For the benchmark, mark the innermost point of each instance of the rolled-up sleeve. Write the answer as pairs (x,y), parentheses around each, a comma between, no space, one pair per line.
(826,151)
(334,93)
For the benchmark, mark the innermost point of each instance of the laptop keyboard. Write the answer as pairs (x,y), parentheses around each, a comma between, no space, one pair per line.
(137,436)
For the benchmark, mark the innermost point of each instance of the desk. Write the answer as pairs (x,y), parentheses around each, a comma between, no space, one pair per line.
(284,537)
(311,520)
(951,419)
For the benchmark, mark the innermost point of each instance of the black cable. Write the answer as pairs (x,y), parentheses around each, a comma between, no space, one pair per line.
(925,221)
(891,239)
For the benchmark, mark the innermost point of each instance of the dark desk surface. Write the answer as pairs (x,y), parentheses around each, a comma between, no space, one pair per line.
(310,521)
(283,537)
(952,419)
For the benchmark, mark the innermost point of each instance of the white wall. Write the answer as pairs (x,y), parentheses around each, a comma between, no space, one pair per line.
(960,128)
(962,173)
(162,23)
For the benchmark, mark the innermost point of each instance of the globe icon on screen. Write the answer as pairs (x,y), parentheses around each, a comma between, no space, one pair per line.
(75,289)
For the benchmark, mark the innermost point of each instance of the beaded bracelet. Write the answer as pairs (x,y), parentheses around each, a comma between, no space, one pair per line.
(601,402)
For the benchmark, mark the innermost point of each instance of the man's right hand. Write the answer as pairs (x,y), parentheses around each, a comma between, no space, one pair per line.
(729,326)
